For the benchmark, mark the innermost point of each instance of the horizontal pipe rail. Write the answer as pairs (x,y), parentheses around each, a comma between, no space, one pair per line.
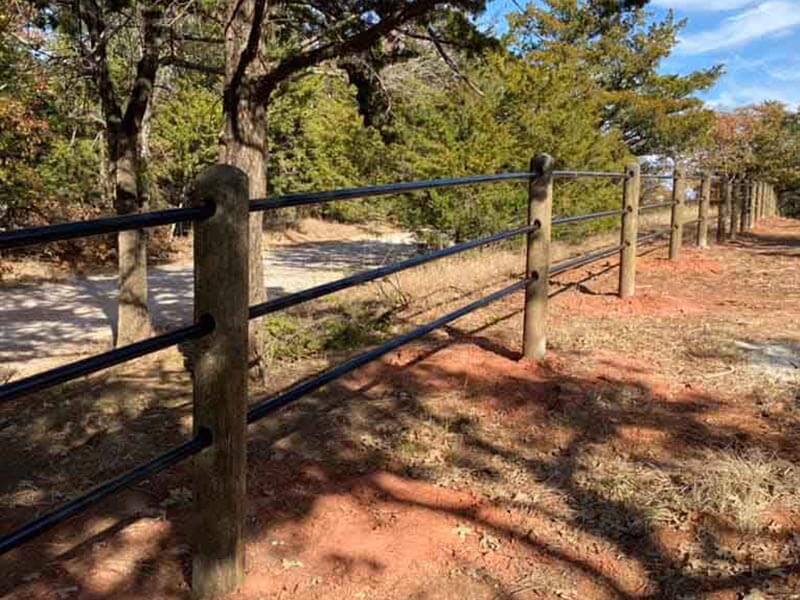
(584,259)
(304,198)
(271,306)
(98,362)
(647,207)
(270,405)
(67,231)
(588,174)
(586,217)
(652,236)
(73,507)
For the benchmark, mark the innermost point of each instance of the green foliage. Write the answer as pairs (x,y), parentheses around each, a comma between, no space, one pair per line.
(317,141)
(759,142)
(185,131)
(346,326)
(622,46)
(579,79)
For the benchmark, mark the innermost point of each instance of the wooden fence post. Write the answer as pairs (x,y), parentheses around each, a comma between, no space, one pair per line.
(630,230)
(751,212)
(773,205)
(770,196)
(748,198)
(736,210)
(221,245)
(537,270)
(678,202)
(702,210)
(724,210)
(758,200)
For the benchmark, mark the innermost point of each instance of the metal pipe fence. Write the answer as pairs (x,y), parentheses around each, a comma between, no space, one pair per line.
(215,325)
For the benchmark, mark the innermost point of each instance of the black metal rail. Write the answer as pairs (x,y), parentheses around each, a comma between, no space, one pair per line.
(587,217)
(49,520)
(205,326)
(98,362)
(584,259)
(270,405)
(68,231)
(587,174)
(271,306)
(652,236)
(304,198)
(647,207)
(654,176)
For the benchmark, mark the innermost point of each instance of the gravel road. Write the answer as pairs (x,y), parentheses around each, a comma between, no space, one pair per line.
(43,324)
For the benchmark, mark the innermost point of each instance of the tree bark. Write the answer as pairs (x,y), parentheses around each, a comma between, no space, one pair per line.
(243,142)
(124,131)
(133,322)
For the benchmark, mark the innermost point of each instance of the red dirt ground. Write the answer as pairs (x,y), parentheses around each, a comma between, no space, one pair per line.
(337,511)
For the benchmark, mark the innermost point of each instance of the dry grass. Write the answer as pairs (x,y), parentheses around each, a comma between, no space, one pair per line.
(743,486)
(647,440)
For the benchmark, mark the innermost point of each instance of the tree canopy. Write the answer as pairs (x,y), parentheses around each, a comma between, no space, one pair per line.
(359,93)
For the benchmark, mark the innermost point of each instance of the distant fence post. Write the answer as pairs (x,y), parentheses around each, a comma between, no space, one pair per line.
(221,285)
(736,209)
(703,208)
(540,213)
(678,202)
(751,206)
(630,230)
(724,210)
(773,205)
(769,201)
(757,203)
(745,202)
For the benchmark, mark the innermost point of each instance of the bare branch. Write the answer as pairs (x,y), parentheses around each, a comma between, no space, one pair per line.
(290,65)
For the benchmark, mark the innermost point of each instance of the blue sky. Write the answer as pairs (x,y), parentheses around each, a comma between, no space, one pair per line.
(758,41)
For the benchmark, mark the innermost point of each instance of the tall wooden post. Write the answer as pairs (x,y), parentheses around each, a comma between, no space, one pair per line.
(678,203)
(748,199)
(630,230)
(221,245)
(724,210)
(736,209)
(703,209)
(774,202)
(757,203)
(770,198)
(537,270)
(751,213)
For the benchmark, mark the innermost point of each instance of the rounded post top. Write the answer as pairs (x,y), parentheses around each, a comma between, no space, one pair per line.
(633,169)
(541,164)
(218,182)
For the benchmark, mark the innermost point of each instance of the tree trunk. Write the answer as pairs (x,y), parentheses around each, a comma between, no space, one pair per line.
(243,143)
(133,321)
(243,146)
(125,143)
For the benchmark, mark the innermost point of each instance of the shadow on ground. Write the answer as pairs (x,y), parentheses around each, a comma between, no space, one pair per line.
(524,432)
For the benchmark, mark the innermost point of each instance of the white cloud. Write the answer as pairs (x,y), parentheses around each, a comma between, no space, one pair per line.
(767,19)
(701,6)
(733,96)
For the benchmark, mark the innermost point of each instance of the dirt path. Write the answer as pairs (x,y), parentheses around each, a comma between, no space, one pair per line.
(654,455)
(43,324)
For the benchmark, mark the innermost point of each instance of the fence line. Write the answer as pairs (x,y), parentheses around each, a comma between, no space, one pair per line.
(220,206)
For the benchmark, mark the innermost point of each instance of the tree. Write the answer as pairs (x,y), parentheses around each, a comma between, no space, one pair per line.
(116,50)
(622,46)
(269,45)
